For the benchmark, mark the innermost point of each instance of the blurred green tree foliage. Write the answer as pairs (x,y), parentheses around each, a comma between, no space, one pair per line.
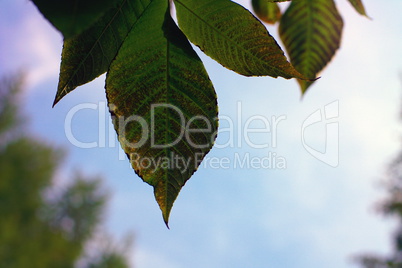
(392,207)
(40,227)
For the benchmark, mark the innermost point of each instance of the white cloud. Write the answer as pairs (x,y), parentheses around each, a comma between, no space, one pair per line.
(46,61)
(36,46)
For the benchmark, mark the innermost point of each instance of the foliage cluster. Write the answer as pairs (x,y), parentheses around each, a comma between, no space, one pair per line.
(151,64)
(41,228)
(392,207)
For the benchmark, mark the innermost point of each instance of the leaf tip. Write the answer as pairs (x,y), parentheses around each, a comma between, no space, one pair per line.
(164,206)
(364,14)
(165,215)
(166,223)
(56,100)
(304,85)
(59,95)
(314,79)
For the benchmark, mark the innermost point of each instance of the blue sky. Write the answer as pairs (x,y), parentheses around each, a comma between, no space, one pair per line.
(305,215)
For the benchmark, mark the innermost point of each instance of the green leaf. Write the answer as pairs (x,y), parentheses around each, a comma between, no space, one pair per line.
(88,55)
(311,32)
(358,5)
(163,104)
(231,35)
(266,11)
(72,17)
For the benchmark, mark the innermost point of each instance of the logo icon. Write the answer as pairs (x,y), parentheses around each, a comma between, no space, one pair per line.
(329,116)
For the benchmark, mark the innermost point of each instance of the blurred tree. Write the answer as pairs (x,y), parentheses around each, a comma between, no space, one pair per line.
(392,206)
(38,227)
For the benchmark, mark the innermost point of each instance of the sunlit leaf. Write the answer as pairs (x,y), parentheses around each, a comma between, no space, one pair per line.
(88,55)
(231,35)
(358,5)
(266,11)
(311,32)
(72,17)
(163,104)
